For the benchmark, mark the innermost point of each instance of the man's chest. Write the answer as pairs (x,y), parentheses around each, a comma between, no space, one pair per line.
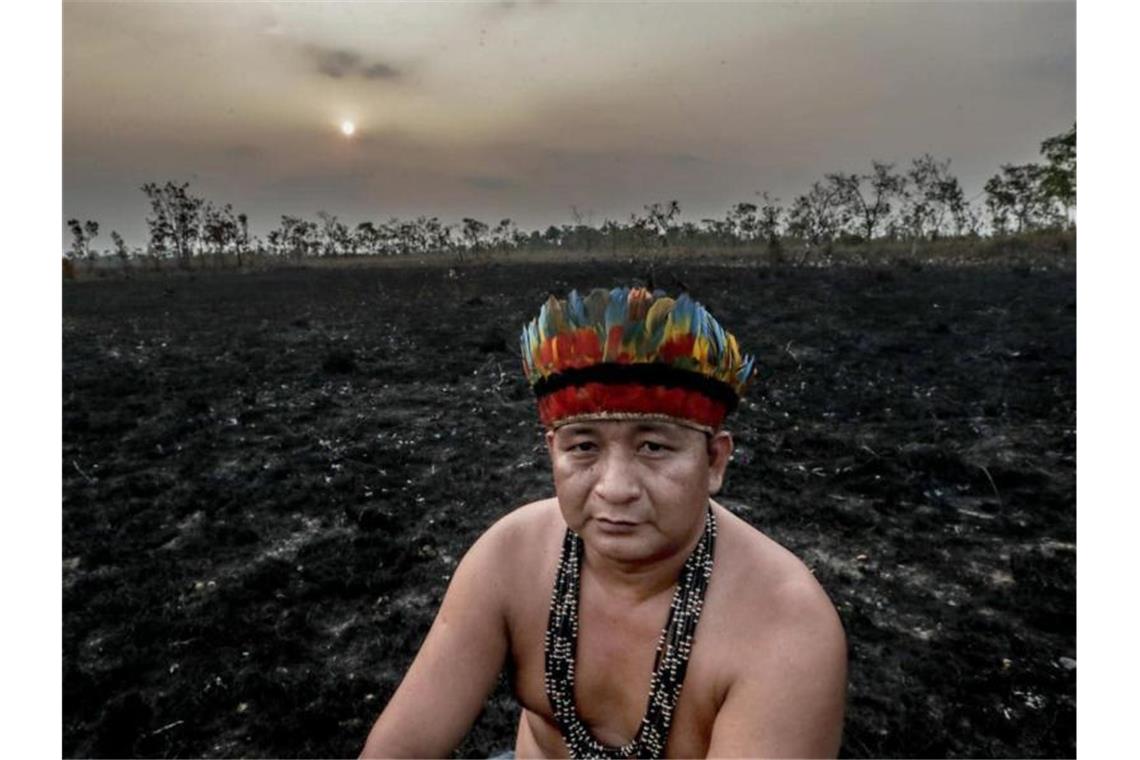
(614,662)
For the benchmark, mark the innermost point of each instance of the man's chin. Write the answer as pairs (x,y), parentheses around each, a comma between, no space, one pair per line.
(633,545)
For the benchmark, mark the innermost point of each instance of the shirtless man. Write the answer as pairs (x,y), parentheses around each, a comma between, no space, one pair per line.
(573,591)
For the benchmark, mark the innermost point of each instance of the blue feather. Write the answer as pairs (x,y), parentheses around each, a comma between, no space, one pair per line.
(681,317)
(617,311)
(745,370)
(576,310)
(718,339)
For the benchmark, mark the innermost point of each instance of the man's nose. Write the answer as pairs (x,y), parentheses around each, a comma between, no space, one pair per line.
(617,482)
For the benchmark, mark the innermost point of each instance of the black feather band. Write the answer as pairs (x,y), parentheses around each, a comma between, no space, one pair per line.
(641,373)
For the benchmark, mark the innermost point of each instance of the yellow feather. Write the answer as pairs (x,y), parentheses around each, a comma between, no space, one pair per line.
(701,350)
(657,314)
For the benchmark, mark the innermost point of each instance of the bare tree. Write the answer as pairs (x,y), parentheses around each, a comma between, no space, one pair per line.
(387,237)
(503,234)
(220,230)
(741,222)
(967,219)
(120,249)
(818,216)
(175,223)
(242,242)
(437,236)
(295,237)
(770,221)
(1059,177)
(871,207)
(1015,195)
(474,234)
(933,196)
(334,235)
(660,218)
(366,238)
(81,237)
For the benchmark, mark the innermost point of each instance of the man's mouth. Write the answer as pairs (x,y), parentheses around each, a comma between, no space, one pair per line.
(612,525)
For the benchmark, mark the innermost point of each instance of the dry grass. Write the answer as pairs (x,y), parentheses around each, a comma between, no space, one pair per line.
(1050,248)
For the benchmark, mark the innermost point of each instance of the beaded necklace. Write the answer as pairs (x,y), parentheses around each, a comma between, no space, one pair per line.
(672,659)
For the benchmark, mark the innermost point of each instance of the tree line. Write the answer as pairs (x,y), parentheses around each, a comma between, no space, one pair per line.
(919,202)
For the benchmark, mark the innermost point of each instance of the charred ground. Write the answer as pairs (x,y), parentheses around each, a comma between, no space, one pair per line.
(268,479)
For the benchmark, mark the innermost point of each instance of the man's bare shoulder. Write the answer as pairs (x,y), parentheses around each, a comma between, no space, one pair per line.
(525,524)
(533,516)
(786,698)
(520,541)
(771,593)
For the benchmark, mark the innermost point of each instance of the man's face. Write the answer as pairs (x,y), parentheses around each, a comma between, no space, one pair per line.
(636,490)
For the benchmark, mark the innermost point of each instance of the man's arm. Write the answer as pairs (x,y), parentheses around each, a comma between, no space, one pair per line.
(789,700)
(457,665)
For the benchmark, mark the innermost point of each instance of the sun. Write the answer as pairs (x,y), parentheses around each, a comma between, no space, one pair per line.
(347,128)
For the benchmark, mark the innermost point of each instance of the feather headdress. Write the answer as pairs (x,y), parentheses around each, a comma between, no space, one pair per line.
(629,353)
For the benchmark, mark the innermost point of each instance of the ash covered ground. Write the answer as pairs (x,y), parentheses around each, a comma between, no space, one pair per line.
(269,477)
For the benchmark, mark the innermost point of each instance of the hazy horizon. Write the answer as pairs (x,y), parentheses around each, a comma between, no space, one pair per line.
(497,110)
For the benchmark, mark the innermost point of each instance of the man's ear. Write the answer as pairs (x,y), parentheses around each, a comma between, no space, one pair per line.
(720,451)
(550,444)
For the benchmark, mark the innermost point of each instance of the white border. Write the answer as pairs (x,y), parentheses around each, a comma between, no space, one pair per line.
(31,59)
(1107,380)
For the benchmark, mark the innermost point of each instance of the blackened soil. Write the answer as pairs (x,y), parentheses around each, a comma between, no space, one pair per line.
(269,478)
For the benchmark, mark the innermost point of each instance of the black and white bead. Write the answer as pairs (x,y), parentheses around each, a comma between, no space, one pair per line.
(671,662)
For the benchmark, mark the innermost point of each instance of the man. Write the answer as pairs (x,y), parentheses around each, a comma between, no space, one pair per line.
(632,582)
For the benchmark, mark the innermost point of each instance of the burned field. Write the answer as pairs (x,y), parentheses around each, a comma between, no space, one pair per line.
(268,479)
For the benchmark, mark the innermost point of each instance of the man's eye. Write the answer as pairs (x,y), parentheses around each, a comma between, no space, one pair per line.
(653,447)
(583,446)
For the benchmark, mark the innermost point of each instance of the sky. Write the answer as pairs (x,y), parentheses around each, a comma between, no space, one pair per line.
(529,110)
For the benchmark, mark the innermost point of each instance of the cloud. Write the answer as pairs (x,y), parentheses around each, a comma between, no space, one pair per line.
(338,63)
(379,71)
(487,182)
